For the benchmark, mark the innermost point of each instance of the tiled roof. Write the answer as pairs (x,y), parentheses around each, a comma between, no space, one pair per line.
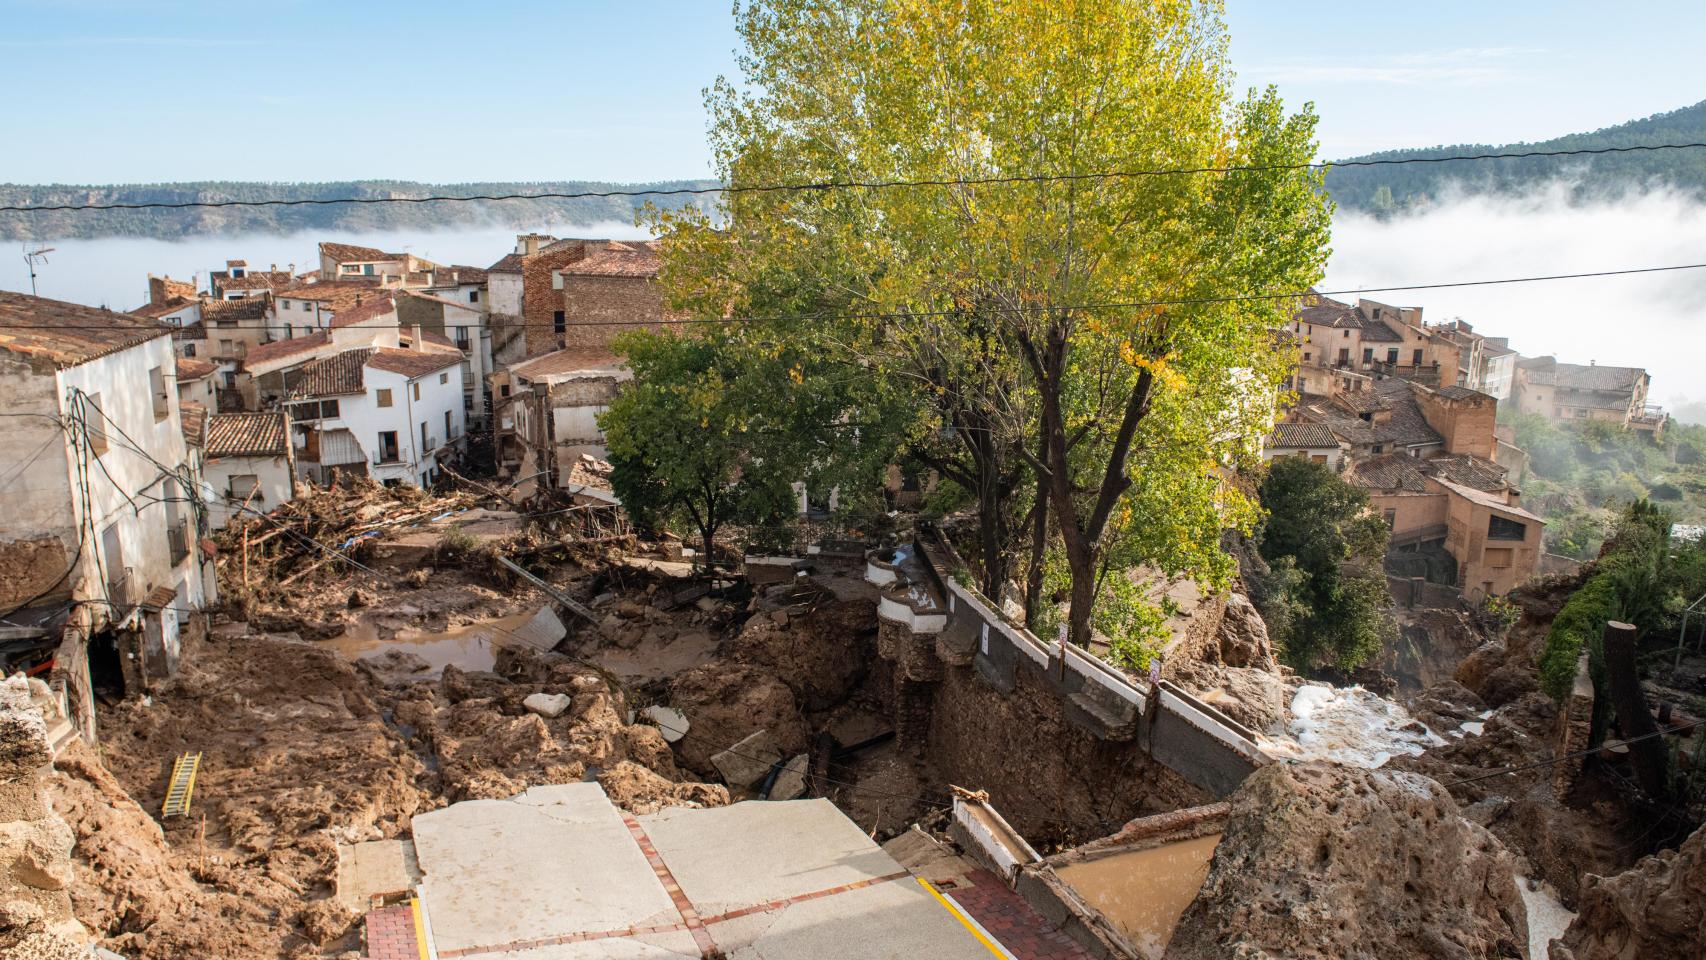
(245,308)
(440,300)
(334,294)
(192,419)
(189,368)
(413,363)
(333,376)
(1404,424)
(67,334)
(1455,392)
(1468,470)
(1575,376)
(463,272)
(371,311)
(1301,435)
(155,311)
(1379,331)
(280,349)
(247,435)
(615,260)
(509,264)
(1327,312)
(350,253)
(570,361)
(252,280)
(1488,499)
(1390,471)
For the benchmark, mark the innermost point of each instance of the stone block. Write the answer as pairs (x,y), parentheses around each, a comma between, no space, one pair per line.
(748,761)
(547,705)
(791,781)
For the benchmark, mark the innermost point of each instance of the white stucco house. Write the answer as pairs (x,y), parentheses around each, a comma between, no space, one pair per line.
(249,465)
(388,413)
(101,535)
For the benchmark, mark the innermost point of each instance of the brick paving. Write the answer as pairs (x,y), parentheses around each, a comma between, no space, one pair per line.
(683,906)
(1011,921)
(391,934)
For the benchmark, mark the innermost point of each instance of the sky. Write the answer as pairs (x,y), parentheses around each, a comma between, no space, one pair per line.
(304,90)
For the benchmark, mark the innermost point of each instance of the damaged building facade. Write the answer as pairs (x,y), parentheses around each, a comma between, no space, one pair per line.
(101,557)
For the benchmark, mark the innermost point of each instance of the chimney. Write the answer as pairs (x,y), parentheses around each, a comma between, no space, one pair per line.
(455,276)
(417,338)
(530,244)
(273,268)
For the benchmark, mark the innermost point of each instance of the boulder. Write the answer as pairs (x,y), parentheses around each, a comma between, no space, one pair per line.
(1657,908)
(672,723)
(791,781)
(1352,863)
(547,705)
(749,761)
(1244,635)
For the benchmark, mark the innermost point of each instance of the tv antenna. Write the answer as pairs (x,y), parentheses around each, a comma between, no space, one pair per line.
(30,257)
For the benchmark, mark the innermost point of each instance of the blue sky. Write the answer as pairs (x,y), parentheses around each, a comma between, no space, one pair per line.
(105,91)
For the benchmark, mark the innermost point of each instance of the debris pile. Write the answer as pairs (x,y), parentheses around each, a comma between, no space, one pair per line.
(36,921)
(1655,909)
(1353,863)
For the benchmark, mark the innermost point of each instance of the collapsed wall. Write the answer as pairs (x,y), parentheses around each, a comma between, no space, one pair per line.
(36,920)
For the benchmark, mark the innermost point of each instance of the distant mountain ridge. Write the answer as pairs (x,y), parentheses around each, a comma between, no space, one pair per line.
(352,217)
(1379,190)
(1388,189)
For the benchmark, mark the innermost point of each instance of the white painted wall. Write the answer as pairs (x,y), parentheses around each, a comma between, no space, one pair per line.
(504,290)
(125,494)
(33,488)
(272,473)
(365,419)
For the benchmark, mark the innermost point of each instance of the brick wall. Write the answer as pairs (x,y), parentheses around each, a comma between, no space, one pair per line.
(539,300)
(590,304)
(162,289)
(1465,423)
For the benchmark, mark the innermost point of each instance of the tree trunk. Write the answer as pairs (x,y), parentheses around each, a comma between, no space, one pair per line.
(1039,550)
(1624,684)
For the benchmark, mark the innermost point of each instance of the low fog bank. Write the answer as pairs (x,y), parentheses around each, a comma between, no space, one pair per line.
(113,271)
(1656,321)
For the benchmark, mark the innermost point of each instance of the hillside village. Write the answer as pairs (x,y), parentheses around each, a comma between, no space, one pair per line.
(970,526)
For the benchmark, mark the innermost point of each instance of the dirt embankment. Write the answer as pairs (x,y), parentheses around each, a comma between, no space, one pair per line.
(1656,909)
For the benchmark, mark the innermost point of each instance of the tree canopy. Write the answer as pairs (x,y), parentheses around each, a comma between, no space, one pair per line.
(1068,345)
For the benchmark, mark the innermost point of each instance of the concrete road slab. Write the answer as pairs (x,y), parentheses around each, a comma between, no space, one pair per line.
(374,868)
(553,861)
(659,946)
(727,858)
(887,921)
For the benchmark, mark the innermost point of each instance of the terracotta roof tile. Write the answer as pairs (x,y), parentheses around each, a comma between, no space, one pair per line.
(281,349)
(189,368)
(247,435)
(155,311)
(243,308)
(412,363)
(192,419)
(350,253)
(370,311)
(1301,435)
(333,376)
(68,334)
(559,362)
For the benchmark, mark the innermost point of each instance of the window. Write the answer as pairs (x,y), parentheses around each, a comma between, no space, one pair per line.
(95,422)
(242,485)
(1367,354)
(289,332)
(444,377)
(1391,517)
(157,389)
(329,409)
(426,446)
(1416,358)
(447,426)
(387,452)
(417,386)
(473,296)
(1306,355)
(1392,355)
(384,399)
(1380,448)
(189,349)
(558,324)
(503,391)
(1501,528)
(1347,334)
(1499,558)
(285,304)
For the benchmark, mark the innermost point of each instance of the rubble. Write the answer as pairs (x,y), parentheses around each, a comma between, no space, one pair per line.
(749,761)
(36,918)
(547,705)
(1352,863)
(1655,909)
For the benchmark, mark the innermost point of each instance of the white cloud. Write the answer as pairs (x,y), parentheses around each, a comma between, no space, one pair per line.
(1656,321)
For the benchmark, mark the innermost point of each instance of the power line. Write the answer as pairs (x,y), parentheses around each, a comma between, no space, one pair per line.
(994,308)
(1577,755)
(848,184)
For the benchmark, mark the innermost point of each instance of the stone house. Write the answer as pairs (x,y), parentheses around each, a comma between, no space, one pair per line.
(248,464)
(547,412)
(1339,346)
(388,413)
(573,294)
(101,539)
(1310,440)
(1572,392)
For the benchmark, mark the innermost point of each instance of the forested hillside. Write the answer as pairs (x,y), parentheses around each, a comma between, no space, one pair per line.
(347,217)
(1387,189)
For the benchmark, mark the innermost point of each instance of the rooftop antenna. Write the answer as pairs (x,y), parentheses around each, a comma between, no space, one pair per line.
(30,257)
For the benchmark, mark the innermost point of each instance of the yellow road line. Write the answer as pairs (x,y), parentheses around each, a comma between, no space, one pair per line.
(420,928)
(965,921)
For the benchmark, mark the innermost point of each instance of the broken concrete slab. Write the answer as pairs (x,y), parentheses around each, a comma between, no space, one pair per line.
(672,723)
(375,868)
(791,779)
(748,761)
(547,705)
(542,632)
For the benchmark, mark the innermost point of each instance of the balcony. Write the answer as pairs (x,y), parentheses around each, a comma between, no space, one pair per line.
(120,587)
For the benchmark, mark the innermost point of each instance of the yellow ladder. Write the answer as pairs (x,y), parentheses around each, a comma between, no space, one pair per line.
(182,785)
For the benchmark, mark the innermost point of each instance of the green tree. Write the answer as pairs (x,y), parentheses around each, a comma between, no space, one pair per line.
(1321,536)
(1014,312)
(716,428)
